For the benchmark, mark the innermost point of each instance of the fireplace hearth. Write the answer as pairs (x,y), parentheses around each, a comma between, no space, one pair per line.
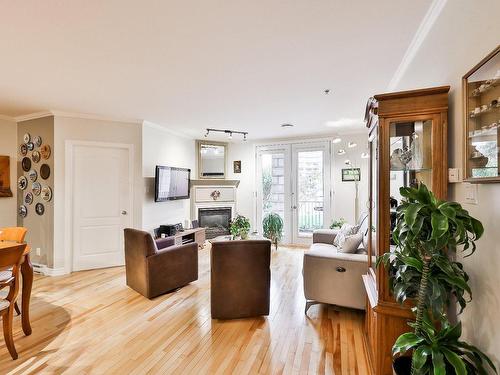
(215,220)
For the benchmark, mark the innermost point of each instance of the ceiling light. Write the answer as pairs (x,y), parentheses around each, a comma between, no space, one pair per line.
(341,152)
(245,137)
(337,140)
(352,144)
(228,132)
(207,133)
(344,123)
(230,135)
(364,155)
(286,125)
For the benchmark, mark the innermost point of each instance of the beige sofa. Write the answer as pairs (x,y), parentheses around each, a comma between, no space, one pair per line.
(333,277)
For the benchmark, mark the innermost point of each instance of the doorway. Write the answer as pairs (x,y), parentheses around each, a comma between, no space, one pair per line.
(294,181)
(100,201)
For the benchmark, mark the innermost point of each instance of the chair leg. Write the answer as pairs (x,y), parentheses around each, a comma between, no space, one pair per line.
(7,331)
(16,306)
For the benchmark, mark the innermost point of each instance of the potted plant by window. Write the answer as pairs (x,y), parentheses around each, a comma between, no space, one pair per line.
(421,267)
(240,227)
(273,228)
(337,224)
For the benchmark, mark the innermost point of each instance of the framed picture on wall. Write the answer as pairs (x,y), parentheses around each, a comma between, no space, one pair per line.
(351,174)
(5,191)
(237,166)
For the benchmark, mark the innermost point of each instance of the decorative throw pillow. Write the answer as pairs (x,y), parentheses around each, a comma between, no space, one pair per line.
(345,230)
(350,244)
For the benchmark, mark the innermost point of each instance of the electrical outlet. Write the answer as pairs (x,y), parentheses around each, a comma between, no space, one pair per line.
(471,193)
(38,251)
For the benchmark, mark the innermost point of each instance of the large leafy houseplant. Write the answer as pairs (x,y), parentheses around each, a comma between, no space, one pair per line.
(240,226)
(421,267)
(273,228)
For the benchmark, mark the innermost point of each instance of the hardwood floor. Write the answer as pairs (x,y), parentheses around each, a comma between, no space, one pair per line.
(91,323)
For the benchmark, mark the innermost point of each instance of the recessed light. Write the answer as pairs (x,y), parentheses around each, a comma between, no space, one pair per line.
(364,155)
(337,140)
(352,144)
(341,152)
(286,125)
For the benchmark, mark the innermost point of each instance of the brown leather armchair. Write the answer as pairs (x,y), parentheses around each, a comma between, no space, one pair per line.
(240,278)
(153,272)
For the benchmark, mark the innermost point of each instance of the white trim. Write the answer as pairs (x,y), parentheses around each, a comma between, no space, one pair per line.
(33,116)
(68,212)
(423,30)
(177,132)
(7,118)
(48,271)
(88,116)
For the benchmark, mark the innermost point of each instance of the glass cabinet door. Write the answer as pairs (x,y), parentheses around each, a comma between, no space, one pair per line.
(410,159)
(372,201)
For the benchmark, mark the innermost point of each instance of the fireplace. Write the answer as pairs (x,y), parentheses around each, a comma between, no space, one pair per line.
(215,220)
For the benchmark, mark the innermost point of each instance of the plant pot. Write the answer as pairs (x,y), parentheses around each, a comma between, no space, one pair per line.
(244,235)
(401,366)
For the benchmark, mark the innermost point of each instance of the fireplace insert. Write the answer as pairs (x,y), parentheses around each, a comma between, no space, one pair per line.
(215,221)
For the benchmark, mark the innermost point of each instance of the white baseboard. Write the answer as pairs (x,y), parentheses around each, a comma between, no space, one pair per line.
(47,271)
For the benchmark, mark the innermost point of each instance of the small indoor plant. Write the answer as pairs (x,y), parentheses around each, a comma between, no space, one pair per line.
(337,224)
(240,226)
(273,228)
(421,268)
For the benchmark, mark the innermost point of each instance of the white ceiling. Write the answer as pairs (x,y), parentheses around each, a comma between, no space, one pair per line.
(242,65)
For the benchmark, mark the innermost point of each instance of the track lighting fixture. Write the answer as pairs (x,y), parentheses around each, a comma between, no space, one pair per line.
(229,133)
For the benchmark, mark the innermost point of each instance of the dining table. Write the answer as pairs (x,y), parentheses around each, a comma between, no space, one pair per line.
(27,277)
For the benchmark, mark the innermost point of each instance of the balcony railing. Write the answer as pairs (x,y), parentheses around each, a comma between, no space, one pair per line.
(310,215)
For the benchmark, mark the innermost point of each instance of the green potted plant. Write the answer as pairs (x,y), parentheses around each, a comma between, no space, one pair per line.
(421,268)
(273,228)
(240,226)
(337,224)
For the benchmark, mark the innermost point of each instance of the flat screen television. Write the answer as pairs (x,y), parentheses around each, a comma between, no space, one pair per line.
(171,183)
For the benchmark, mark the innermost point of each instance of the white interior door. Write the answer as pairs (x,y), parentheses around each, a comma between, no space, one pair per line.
(273,186)
(102,204)
(311,189)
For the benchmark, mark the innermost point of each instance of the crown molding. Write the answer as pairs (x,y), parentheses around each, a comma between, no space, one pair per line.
(167,129)
(7,118)
(33,116)
(88,116)
(423,30)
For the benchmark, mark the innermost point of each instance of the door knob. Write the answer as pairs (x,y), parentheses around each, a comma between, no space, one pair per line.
(124,212)
(294,207)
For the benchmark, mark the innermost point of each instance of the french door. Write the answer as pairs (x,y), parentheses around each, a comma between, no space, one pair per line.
(293,180)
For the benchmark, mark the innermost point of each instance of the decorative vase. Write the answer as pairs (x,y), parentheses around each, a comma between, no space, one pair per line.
(401,366)
(243,235)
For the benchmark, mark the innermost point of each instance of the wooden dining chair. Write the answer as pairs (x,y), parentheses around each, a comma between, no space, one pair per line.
(10,264)
(14,234)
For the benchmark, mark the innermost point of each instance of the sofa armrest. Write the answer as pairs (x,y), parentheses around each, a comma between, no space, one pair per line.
(325,235)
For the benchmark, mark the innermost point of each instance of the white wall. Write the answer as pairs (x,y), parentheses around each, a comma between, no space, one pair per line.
(465,32)
(8,146)
(66,128)
(163,147)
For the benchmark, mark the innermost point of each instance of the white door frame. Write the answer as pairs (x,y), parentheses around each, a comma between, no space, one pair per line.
(69,190)
(326,147)
(274,149)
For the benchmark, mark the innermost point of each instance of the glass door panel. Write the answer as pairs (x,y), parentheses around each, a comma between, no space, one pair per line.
(311,193)
(273,186)
(373,218)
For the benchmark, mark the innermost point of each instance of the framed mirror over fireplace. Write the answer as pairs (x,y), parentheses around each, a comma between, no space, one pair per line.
(212,159)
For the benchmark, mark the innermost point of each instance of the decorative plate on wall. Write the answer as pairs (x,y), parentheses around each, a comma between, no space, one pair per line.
(37,140)
(23,149)
(23,211)
(26,137)
(32,175)
(26,164)
(30,146)
(22,183)
(45,151)
(36,188)
(39,209)
(47,194)
(36,156)
(45,171)
(28,199)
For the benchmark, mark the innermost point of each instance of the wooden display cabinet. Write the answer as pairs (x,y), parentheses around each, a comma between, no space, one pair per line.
(408,144)
(481,94)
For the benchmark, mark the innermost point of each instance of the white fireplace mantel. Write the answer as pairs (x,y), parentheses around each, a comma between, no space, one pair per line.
(213,194)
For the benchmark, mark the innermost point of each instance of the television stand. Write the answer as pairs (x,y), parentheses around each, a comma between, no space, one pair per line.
(189,236)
